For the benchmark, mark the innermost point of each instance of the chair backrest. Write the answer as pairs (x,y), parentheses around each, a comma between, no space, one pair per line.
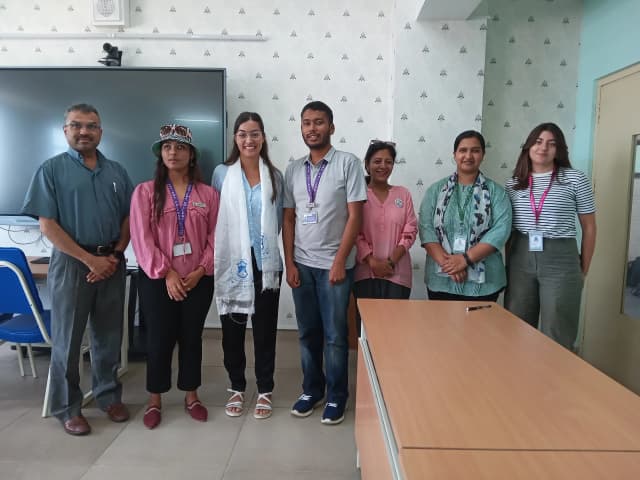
(13,297)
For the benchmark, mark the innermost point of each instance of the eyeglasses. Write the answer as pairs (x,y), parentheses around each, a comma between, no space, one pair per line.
(255,135)
(92,127)
(174,129)
(375,141)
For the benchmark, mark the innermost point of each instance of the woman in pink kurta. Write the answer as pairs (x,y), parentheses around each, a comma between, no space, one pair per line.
(172,222)
(389,228)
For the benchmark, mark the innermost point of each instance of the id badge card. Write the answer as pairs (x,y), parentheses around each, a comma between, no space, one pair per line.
(459,244)
(535,241)
(180,249)
(310,218)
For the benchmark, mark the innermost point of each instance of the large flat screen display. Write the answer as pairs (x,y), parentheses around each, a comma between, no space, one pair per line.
(133,103)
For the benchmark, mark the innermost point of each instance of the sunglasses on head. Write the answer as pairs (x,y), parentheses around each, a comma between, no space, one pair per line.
(173,129)
(375,141)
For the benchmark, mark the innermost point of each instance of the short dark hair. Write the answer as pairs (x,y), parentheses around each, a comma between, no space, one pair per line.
(375,147)
(469,134)
(80,107)
(319,107)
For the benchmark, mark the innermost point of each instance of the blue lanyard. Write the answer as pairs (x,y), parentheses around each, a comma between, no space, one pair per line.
(313,190)
(181,211)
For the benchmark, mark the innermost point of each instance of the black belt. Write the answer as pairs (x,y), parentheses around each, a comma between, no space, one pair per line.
(99,250)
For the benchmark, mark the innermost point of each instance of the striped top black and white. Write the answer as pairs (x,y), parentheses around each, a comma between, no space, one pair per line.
(570,194)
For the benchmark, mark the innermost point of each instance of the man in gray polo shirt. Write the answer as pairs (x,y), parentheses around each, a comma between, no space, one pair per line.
(82,201)
(323,197)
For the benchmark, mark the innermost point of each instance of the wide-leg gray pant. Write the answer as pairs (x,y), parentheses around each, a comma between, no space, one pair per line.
(73,302)
(545,288)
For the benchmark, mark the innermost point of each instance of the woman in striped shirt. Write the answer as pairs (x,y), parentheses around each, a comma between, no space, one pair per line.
(544,269)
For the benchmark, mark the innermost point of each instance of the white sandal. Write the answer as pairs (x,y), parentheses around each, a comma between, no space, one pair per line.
(263,403)
(239,404)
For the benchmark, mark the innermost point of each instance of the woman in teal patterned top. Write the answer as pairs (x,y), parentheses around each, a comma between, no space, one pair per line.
(465,219)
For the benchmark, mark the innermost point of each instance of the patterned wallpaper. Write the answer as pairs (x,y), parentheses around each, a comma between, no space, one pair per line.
(531,74)
(438,77)
(384,74)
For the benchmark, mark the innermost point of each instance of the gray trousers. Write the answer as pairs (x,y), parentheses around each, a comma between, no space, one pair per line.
(73,302)
(545,288)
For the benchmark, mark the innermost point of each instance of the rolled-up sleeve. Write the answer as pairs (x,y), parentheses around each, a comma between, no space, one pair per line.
(363,247)
(410,229)
(427,208)
(150,258)
(212,216)
(501,214)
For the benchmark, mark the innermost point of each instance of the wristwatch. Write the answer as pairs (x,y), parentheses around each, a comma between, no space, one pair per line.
(119,255)
(467,259)
(391,262)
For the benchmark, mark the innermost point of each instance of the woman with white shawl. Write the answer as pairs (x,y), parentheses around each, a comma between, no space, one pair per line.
(247,263)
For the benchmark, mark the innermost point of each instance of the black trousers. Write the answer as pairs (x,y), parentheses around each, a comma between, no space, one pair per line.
(493,297)
(265,325)
(170,322)
(377,288)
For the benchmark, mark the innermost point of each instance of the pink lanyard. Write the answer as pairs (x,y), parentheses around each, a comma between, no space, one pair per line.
(537,211)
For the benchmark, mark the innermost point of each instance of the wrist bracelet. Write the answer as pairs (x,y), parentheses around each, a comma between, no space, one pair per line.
(467,259)
(119,255)
(391,262)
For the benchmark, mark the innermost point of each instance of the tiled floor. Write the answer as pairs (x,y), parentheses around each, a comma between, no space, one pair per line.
(282,447)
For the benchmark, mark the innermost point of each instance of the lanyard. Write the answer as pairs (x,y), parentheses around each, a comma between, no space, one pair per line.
(537,210)
(313,190)
(181,211)
(463,208)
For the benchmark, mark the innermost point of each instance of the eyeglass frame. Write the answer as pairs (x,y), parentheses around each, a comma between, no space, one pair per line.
(253,135)
(91,126)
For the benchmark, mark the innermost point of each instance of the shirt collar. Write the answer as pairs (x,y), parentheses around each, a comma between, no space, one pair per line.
(77,156)
(327,157)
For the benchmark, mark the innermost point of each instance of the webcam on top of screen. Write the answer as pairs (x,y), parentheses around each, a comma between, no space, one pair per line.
(114,56)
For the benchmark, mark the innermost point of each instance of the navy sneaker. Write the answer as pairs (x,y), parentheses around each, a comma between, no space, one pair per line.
(304,405)
(333,413)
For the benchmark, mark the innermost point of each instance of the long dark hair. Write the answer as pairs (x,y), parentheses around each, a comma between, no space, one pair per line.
(523,166)
(376,146)
(264,151)
(160,180)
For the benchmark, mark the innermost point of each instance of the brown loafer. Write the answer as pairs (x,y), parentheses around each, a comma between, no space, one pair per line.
(77,425)
(117,412)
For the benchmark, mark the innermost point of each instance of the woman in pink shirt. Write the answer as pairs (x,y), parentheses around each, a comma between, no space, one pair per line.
(172,221)
(389,228)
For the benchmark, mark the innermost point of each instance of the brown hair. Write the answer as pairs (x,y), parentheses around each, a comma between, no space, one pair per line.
(264,151)
(522,171)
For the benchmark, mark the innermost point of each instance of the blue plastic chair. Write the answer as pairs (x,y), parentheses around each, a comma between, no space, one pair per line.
(31,323)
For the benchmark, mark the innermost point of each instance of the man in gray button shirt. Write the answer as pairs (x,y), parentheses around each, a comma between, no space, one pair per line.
(82,201)
(324,193)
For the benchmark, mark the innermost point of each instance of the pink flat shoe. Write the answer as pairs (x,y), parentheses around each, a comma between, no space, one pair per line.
(152,417)
(196,410)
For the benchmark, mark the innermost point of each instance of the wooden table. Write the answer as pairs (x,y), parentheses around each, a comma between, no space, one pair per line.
(467,388)
(38,270)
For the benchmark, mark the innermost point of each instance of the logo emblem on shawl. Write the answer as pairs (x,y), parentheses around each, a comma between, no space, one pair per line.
(399,202)
(242,269)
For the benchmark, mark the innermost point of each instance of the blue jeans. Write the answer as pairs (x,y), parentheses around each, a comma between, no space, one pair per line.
(321,312)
